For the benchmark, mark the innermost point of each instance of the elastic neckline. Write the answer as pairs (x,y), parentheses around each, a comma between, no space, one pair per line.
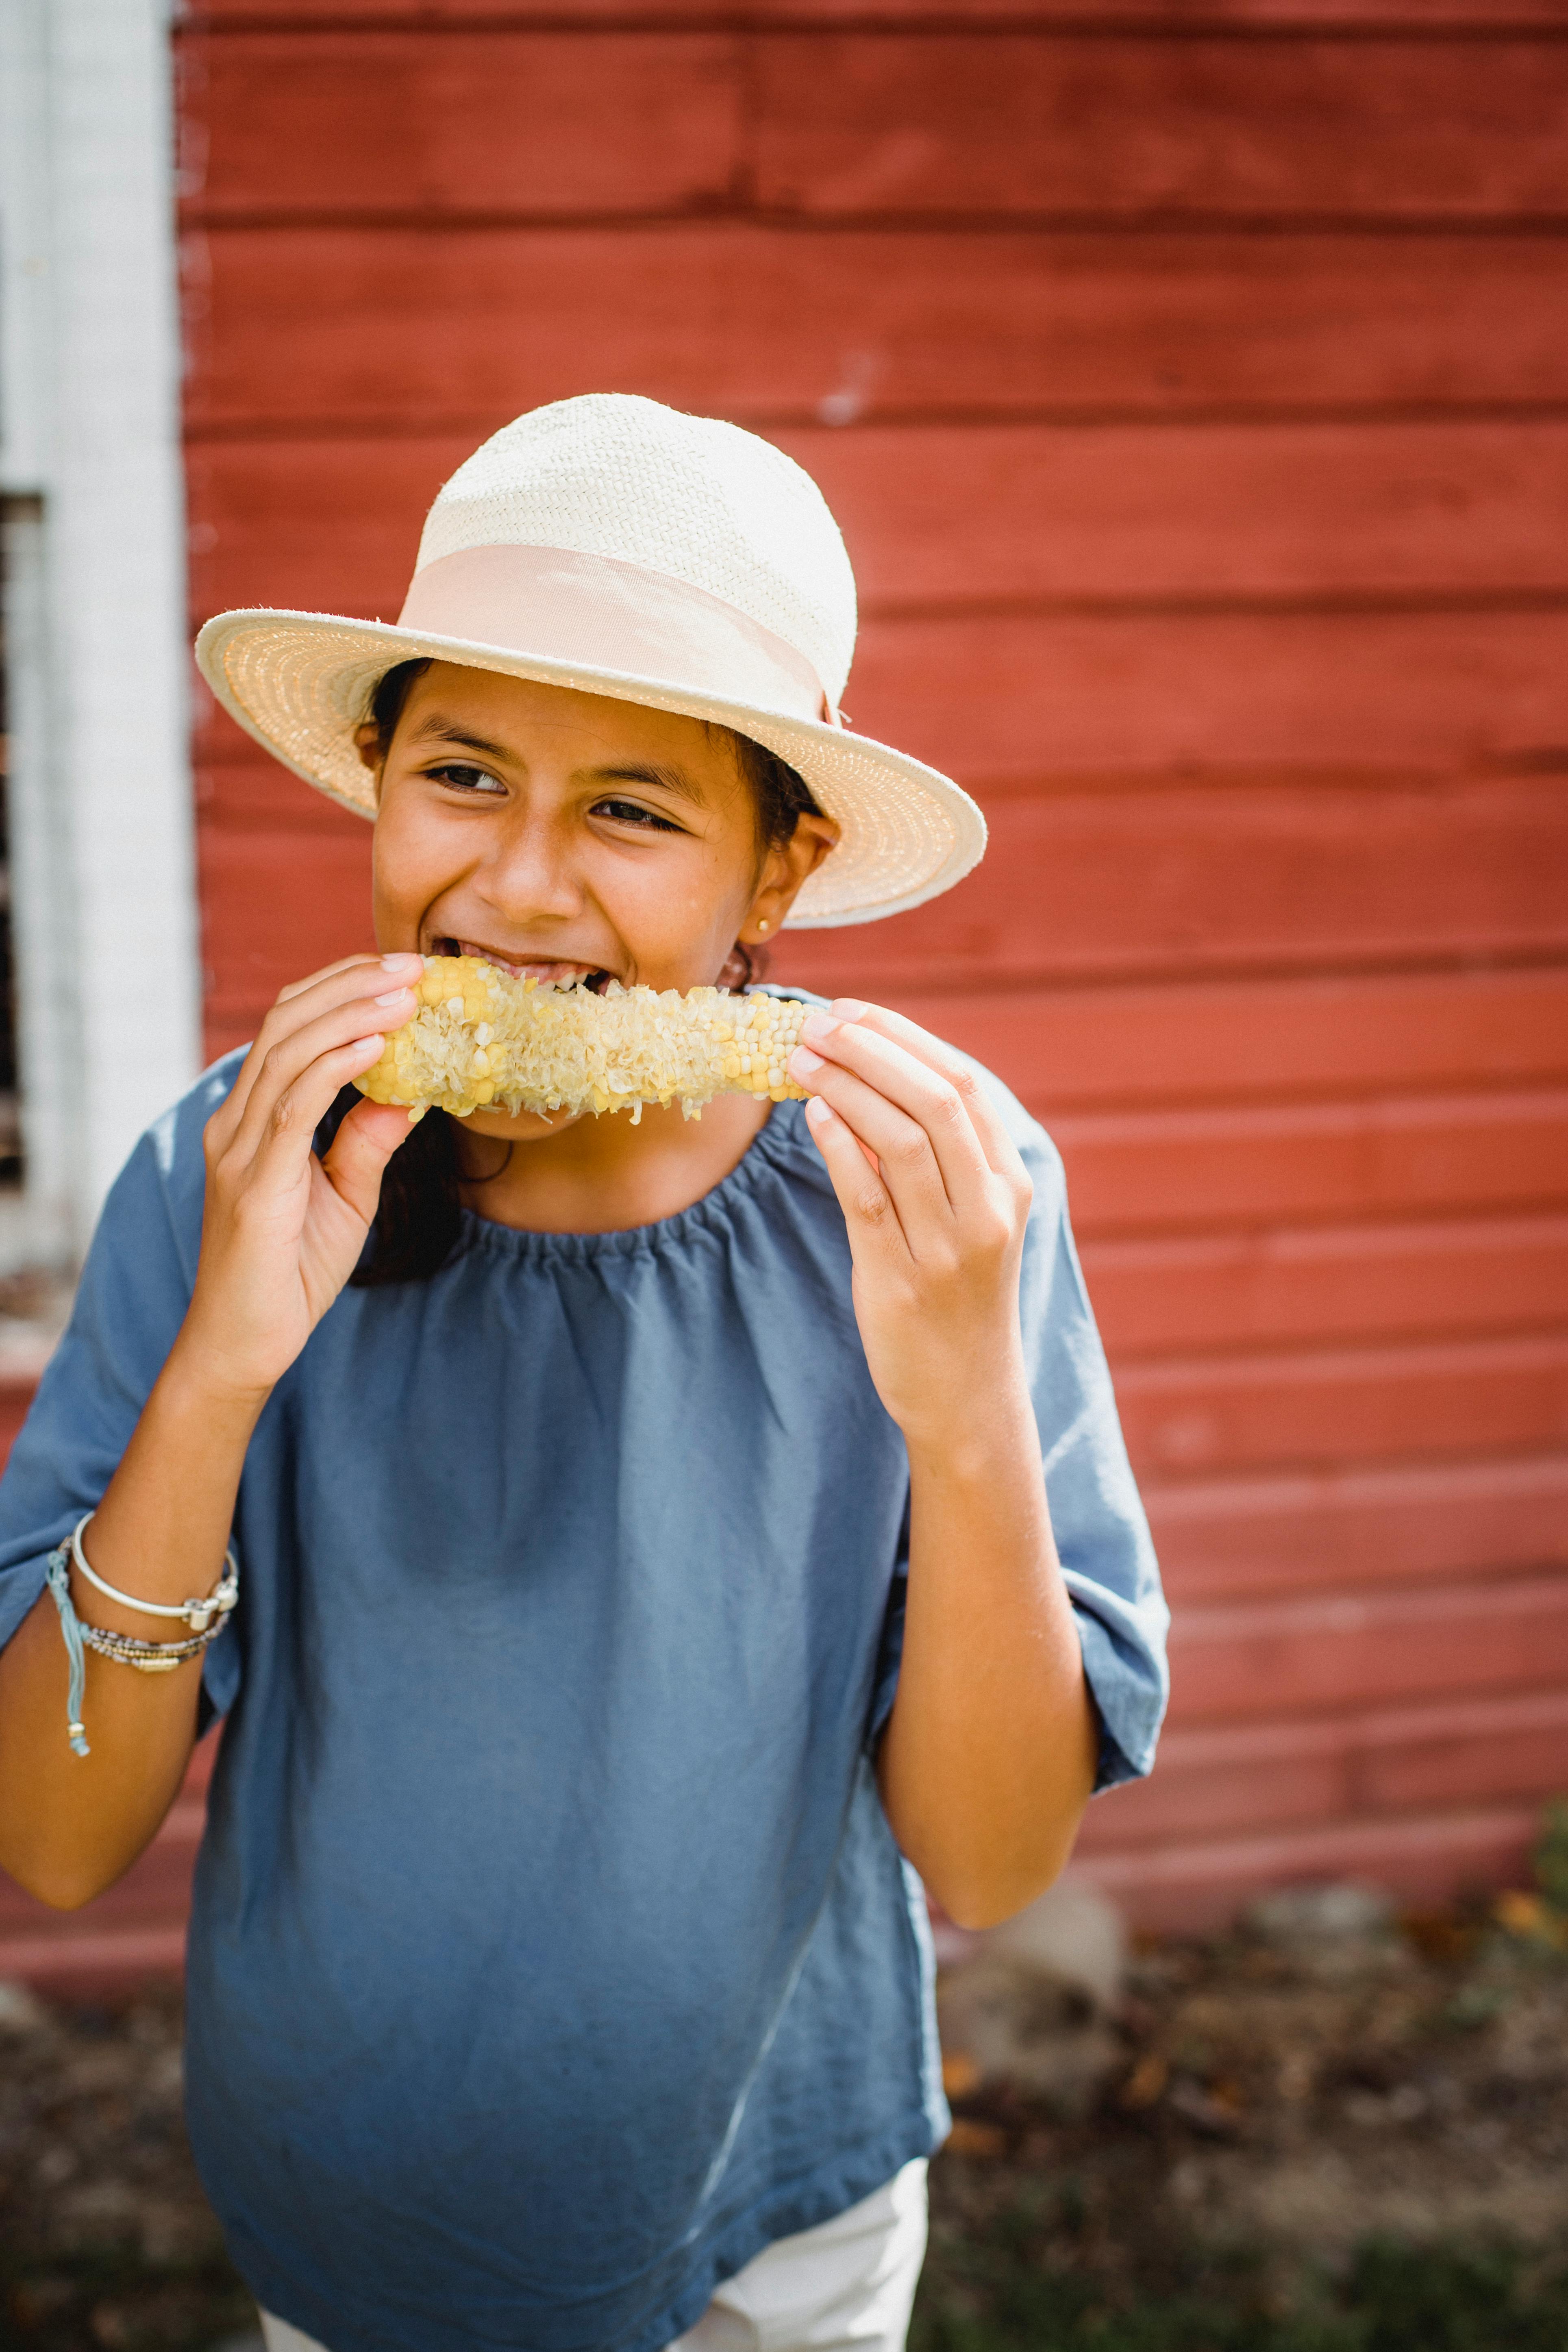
(770,1151)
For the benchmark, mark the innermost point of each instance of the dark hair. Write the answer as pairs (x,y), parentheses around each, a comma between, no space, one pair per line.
(418,1223)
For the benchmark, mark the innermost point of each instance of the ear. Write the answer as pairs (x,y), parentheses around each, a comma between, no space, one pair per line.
(367,743)
(785,874)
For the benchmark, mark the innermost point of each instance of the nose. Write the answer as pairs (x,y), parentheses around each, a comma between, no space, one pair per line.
(529,874)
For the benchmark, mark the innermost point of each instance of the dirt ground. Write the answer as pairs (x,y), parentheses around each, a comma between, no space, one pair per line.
(1352,2144)
(106,2241)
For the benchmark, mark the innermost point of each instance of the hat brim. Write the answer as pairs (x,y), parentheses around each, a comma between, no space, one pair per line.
(301,683)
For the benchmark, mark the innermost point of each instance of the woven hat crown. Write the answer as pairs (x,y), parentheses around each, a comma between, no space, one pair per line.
(612,475)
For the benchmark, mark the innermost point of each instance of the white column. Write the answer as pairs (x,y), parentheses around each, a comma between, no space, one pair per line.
(102,814)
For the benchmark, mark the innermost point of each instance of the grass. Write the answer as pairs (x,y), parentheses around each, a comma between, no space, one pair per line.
(112,2300)
(1005,2290)
(1009,2291)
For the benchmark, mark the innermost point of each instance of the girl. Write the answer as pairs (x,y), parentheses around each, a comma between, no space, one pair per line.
(647,1578)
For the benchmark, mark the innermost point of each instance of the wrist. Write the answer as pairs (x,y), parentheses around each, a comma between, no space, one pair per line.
(971,1440)
(197,1380)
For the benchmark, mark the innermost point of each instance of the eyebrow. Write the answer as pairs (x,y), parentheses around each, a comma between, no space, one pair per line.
(436,729)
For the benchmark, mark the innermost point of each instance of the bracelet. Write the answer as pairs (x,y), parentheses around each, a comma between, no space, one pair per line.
(147,1657)
(198,1614)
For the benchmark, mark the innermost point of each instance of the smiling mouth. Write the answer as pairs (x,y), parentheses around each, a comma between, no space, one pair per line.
(547,972)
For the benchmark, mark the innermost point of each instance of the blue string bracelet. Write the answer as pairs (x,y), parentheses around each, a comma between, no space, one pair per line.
(70,1627)
(147,1657)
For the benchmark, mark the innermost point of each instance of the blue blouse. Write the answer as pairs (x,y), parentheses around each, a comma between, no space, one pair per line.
(551,1954)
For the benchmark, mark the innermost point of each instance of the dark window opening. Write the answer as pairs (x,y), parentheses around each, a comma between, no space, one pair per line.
(10,1102)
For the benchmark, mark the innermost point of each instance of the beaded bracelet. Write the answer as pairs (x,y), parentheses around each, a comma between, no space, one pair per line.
(125,1649)
(147,1657)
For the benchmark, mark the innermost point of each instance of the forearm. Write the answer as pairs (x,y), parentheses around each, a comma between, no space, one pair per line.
(988,1759)
(281,1233)
(70,1825)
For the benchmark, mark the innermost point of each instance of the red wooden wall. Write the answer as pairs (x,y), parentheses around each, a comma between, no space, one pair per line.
(1192,384)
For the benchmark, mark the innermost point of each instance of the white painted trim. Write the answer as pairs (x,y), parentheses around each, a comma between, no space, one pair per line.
(102,856)
(42,1226)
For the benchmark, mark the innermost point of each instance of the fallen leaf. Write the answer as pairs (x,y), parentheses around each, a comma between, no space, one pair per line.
(1146,2082)
(1531,1918)
(968,2137)
(959,2074)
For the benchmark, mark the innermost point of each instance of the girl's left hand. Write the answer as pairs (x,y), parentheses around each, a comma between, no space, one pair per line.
(936,1199)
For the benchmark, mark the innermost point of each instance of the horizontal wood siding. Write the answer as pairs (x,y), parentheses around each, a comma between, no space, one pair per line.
(1026,514)
(1006,318)
(1289,20)
(1193,386)
(1192,389)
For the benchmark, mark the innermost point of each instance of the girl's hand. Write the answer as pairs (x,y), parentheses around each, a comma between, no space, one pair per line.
(282,1231)
(936,1199)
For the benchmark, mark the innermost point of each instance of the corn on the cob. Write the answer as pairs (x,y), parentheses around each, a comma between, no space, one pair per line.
(480,1037)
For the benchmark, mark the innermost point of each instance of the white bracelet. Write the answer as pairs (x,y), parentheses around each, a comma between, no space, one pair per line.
(198,1614)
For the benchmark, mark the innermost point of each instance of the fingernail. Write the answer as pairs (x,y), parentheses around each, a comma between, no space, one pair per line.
(400,960)
(818,1027)
(803,1063)
(817,1112)
(395,996)
(849,1008)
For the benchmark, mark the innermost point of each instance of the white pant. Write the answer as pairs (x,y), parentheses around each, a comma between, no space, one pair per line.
(846,2286)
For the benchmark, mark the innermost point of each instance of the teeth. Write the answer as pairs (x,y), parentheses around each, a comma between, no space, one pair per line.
(548,970)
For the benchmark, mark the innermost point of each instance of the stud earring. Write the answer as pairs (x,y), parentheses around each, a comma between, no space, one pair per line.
(762,926)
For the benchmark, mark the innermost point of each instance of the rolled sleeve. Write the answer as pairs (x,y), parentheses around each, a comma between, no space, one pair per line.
(135,1289)
(1102,1536)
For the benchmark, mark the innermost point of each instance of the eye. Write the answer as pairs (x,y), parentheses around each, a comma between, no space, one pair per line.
(460,777)
(633,813)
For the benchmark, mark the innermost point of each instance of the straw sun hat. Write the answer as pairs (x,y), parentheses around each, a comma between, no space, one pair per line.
(620,546)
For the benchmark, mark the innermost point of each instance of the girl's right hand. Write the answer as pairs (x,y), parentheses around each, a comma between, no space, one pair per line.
(282,1231)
